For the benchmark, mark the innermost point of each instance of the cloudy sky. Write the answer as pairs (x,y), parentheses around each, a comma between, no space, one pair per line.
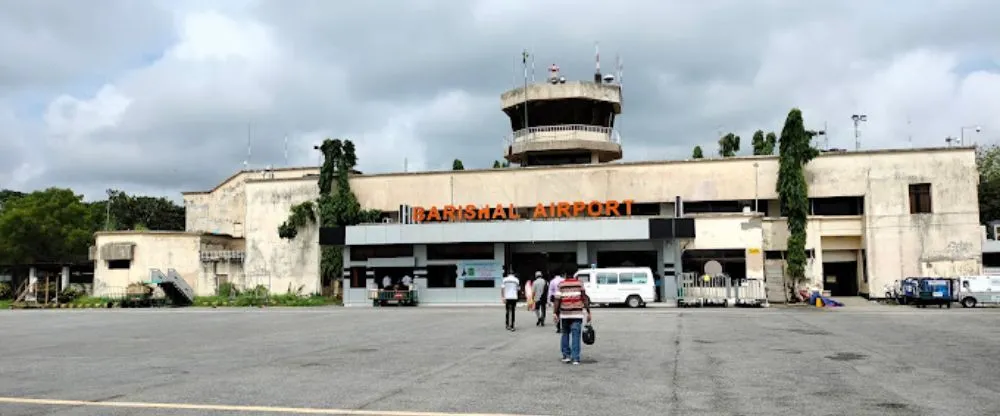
(159,96)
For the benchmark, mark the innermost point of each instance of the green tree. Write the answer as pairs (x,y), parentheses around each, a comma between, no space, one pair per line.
(500,165)
(7,195)
(696,153)
(770,143)
(795,151)
(729,145)
(758,142)
(337,205)
(130,212)
(988,164)
(764,145)
(52,225)
(457,165)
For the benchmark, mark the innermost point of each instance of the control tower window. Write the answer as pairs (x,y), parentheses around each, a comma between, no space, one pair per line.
(562,112)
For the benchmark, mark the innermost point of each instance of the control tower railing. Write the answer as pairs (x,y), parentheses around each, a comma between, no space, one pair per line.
(564,132)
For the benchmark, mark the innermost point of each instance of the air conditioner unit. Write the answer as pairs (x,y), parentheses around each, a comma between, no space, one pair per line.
(386,220)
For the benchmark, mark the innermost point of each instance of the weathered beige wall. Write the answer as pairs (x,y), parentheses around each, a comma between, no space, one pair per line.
(946,242)
(731,231)
(153,250)
(289,263)
(223,209)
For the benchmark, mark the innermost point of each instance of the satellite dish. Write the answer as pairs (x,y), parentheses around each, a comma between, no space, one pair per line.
(713,267)
(609,79)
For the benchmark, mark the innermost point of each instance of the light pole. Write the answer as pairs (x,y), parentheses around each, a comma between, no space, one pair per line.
(858,119)
(756,182)
(961,135)
(950,140)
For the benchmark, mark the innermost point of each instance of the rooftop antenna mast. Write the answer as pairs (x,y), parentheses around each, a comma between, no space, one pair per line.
(909,131)
(532,65)
(619,75)
(286,150)
(597,62)
(246,163)
(524,63)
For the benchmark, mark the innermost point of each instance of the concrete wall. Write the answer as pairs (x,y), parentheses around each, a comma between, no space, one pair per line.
(167,250)
(286,264)
(571,89)
(153,250)
(223,210)
(946,242)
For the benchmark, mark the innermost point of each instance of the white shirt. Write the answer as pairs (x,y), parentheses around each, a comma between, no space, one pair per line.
(510,286)
(407,280)
(386,281)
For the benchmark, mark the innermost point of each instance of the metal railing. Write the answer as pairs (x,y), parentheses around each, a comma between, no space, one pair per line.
(531,134)
(700,290)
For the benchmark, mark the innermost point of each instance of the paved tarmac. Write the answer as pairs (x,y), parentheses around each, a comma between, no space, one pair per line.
(875,360)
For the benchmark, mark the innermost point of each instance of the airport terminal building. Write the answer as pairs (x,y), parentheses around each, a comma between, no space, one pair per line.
(876,216)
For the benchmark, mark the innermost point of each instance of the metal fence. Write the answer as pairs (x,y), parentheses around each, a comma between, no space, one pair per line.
(719,290)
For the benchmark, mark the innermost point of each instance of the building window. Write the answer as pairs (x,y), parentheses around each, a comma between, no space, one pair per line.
(480,283)
(119,264)
(444,276)
(920,198)
(358,277)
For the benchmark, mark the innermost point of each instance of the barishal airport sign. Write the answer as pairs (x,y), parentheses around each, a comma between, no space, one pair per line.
(562,209)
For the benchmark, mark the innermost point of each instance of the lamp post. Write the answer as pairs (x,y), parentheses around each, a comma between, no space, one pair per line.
(961,135)
(858,119)
(756,188)
(950,140)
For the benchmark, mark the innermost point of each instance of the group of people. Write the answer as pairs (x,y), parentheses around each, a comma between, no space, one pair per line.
(569,304)
(406,283)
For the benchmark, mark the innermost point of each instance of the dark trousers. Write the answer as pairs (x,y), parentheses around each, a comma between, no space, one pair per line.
(540,311)
(511,307)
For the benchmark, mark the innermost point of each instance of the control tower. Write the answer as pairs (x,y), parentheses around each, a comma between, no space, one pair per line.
(559,122)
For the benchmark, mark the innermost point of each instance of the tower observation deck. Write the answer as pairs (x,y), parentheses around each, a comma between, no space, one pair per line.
(565,122)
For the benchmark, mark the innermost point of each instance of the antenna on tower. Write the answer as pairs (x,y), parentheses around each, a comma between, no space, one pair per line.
(909,131)
(597,62)
(532,65)
(286,150)
(246,163)
(619,75)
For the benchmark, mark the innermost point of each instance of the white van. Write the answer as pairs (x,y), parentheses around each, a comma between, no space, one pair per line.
(633,286)
(975,290)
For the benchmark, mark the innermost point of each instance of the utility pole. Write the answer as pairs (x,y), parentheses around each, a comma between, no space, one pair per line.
(858,119)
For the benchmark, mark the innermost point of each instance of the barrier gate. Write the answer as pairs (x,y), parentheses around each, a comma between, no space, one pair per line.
(696,289)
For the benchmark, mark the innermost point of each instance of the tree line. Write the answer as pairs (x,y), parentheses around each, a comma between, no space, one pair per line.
(729,144)
(57,225)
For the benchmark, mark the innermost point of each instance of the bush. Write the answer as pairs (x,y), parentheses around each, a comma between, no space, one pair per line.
(6,290)
(228,289)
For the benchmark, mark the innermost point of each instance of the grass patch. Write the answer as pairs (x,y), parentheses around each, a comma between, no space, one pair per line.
(5,303)
(250,299)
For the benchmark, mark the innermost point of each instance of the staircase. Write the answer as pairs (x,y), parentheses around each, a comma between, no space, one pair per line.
(173,285)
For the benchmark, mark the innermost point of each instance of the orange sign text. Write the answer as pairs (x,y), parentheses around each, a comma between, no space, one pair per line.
(510,212)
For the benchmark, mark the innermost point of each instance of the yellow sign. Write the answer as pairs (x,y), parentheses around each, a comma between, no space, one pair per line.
(561,209)
(753,250)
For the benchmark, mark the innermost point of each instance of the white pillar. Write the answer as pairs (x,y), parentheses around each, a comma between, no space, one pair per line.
(64,283)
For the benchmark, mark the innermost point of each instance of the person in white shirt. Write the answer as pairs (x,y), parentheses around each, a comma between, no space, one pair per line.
(508,294)
(386,282)
(408,282)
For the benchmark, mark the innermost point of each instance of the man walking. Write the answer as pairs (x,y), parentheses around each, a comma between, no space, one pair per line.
(553,287)
(540,296)
(508,293)
(571,307)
